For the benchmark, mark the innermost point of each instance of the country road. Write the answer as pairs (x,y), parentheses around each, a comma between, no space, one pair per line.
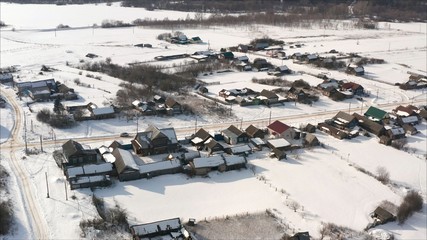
(32,208)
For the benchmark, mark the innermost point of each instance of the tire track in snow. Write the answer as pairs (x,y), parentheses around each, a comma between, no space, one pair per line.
(38,225)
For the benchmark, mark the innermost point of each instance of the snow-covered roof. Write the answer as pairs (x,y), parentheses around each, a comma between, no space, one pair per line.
(162,165)
(397,131)
(258,141)
(104,149)
(108,157)
(240,149)
(128,159)
(196,140)
(97,168)
(233,160)
(191,155)
(279,142)
(103,110)
(4,76)
(90,179)
(170,133)
(145,229)
(74,171)
(89,169)
(411,119)
(212,161)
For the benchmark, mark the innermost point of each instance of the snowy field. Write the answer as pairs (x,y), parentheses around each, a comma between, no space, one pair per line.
(323,181)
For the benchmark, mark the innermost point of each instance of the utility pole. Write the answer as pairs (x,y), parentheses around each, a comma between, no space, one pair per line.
(25,132)
(47,185)
(32,129)
(269,119)
(41,143)
(137,124)
(66,193)
(349,107)
(195,126)
(241,124)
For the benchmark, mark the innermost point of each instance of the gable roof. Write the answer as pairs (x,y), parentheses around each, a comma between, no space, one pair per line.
(404,111)
(212,161)
(351,85)
(124,160)
(170,102)
(212,143)
(369,125)
(278,143)
(202,134)
(268,94)
(251,130)
(278,126)
(71,147)
(376,113)
(233,129)
(344,117)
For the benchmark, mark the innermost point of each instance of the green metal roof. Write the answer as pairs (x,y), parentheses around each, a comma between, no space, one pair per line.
(377,113)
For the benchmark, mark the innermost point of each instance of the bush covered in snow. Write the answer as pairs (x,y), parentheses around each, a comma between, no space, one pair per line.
(6,208)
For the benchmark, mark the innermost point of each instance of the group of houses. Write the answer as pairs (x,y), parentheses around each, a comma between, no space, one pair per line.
(90,111)
(386,126)
(247,96)
(164,229)
(183,39)
(224,151)
(158,106)
(415,81)
(45,90)
(339,90)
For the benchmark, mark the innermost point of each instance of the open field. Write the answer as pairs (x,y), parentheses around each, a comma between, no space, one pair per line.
(324,181)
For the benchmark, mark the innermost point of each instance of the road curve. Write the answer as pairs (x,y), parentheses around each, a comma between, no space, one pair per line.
(32,209)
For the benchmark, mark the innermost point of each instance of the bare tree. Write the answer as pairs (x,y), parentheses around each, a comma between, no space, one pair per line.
(294,205)
(383,175)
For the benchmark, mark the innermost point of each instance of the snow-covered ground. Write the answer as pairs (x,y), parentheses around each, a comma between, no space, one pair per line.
(6,123)
(323,180)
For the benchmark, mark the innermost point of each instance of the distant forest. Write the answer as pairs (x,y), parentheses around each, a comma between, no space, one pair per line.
(405,10)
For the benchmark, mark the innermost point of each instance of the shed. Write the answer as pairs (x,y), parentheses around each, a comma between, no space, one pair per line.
(383,216)
(310,140)
(160,168)
(234,162)
(279,143)
(202,166)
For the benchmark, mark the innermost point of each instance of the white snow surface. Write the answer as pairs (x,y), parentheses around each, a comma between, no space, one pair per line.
(324,181)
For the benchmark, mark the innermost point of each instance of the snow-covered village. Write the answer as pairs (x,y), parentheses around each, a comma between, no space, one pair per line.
(290,120)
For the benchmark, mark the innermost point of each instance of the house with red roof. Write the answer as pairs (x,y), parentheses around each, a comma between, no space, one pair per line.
(280,130)
(355,88)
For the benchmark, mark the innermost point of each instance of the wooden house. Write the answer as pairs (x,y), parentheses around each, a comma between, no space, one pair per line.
(233,135)
(382,216)
(211,145)
(200,137)
(279,129)
(355,88)
(369,125)
(345,120)
(409,129)
(395,133)
(125,164)
(310,140)
(310,128)
(155,141)
(103,113)
(202,166)
(75,154)
(331,130)
(257,144)
(174,105)
(355,70)
(254,132)
(268,97)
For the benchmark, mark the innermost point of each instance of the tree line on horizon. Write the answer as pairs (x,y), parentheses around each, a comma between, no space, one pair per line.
(408,10)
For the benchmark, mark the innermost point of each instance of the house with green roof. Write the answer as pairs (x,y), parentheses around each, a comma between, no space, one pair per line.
(377,114)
